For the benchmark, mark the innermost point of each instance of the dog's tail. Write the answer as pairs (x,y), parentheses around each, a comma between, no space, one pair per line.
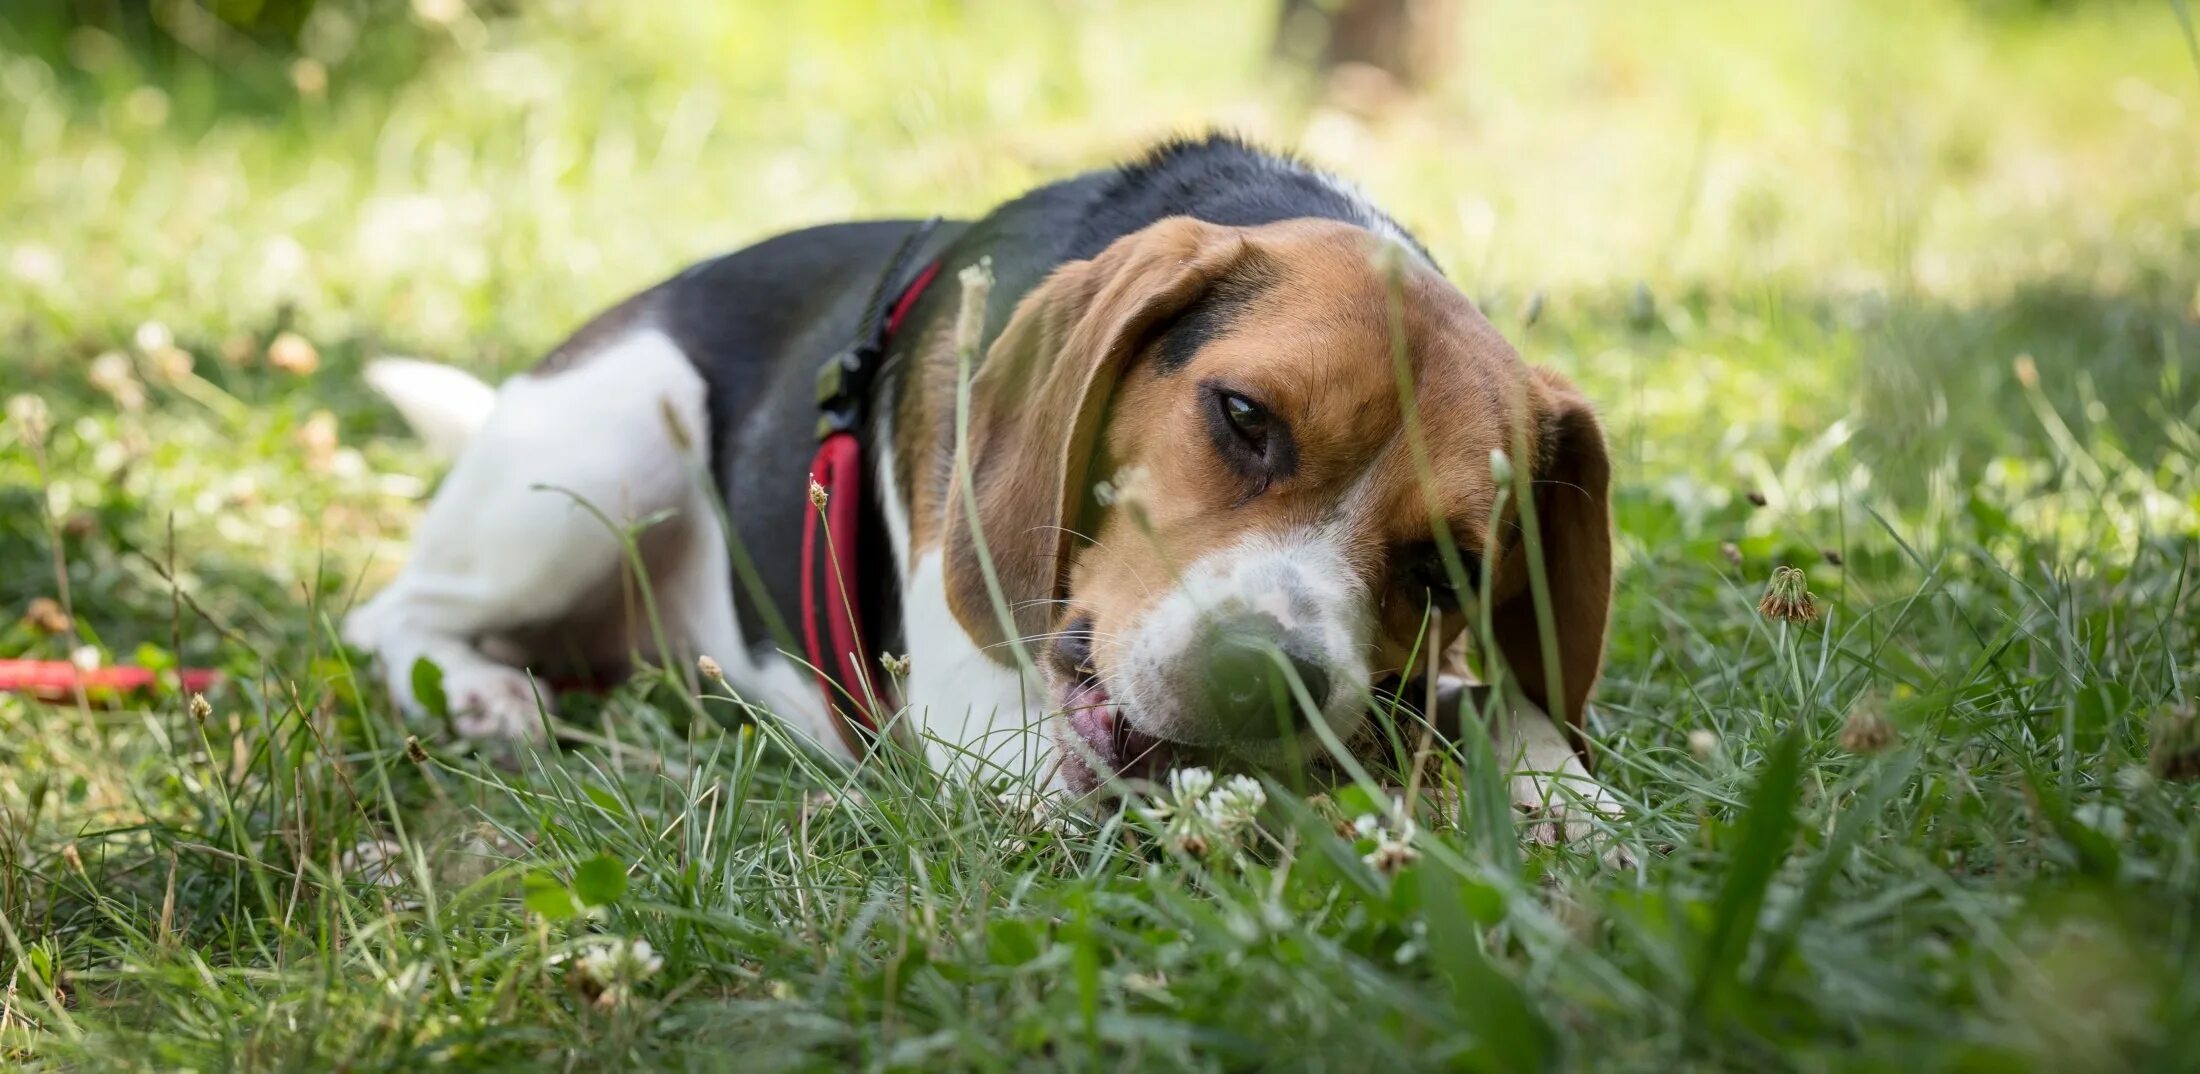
(445,406)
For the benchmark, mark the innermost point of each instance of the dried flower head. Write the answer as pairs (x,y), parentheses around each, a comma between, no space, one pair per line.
(201,708)
(977,289)
(293,353)
(894,666)
(414,751)
(1328,809)
(45,615)
(1533,311)
(709,668)
(74,857)
(2175,752)
(818,497)
(1788,597)
(1732,552)
(1866,731)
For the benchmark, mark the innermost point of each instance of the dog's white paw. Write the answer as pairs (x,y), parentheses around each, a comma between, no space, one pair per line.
(1557,816)
(496,702)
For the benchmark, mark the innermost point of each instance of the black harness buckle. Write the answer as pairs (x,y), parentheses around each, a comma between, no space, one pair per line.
(844,381)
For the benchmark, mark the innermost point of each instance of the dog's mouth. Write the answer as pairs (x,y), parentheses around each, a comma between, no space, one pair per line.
(1096,737)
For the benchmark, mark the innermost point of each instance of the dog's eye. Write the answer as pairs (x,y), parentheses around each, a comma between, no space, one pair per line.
(1421,571)
(1252,440)
(1247,418)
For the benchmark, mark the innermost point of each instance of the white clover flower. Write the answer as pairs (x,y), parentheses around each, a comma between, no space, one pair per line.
(1366,825)
(1236,804)
(1197,817)
(1189,785)
(1391,854)
(609,970)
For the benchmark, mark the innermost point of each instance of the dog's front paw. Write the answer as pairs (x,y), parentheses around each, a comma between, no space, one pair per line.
(1564,815)
(495,703)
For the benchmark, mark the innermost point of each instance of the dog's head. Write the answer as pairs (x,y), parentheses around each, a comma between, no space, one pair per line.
(1217,471)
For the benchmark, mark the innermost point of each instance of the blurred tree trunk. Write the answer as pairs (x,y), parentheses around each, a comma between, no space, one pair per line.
(1411,41)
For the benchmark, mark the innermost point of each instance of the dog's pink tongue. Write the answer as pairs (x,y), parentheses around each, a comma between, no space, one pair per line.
(1096,725)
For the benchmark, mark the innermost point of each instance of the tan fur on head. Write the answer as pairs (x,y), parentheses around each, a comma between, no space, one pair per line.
(1036,408)
(1087,382)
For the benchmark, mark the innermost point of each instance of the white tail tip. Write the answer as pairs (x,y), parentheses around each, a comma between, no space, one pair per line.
(445,406)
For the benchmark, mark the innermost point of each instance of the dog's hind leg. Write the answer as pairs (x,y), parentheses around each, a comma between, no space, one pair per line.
(522,538)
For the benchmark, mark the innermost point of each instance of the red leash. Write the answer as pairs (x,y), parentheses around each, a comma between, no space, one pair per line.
(58,680)
(837,471)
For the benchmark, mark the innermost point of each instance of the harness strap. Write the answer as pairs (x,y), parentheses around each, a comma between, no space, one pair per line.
(831,528)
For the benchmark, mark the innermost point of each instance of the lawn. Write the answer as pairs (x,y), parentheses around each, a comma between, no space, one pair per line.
(1905,294)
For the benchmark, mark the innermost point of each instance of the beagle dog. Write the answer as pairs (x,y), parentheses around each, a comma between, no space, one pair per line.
(1218,465)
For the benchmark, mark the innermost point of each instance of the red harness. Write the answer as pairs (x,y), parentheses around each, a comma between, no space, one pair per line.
(846,676)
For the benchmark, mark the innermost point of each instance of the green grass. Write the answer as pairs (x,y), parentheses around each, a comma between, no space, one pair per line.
(1924,276)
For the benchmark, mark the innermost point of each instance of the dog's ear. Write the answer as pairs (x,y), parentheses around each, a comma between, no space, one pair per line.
(1037,405)
(1571,477)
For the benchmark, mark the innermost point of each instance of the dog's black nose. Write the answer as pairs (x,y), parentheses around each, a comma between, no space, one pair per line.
(1241,662)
